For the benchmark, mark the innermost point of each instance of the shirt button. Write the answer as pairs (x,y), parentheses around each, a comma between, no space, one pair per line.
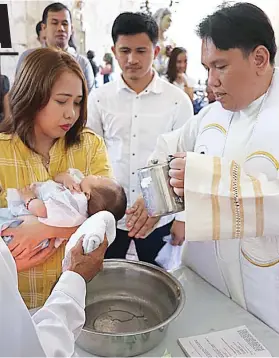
(136,116)
(133,191)
(133,173)
(134,136)
(133,153)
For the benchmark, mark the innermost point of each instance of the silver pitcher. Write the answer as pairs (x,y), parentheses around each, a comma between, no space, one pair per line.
(158,195)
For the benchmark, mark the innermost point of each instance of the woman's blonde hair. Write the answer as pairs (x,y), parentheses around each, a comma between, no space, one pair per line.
(31,92)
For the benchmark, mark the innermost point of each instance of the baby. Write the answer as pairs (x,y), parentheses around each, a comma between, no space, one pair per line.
(68,200)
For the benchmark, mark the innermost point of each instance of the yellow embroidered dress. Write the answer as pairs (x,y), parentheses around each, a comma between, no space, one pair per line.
(19,166)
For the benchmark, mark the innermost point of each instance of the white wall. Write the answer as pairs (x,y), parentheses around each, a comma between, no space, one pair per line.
(99,16)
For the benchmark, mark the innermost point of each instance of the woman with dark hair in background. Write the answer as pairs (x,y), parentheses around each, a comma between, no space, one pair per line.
(4,100)
(176,72)
(107,70)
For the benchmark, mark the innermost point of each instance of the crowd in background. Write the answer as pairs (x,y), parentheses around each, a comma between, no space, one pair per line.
(173,69)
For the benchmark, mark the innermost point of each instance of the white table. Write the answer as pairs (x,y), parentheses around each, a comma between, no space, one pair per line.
(207,310)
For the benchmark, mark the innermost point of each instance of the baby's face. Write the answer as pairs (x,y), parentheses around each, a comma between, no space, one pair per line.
(93,182)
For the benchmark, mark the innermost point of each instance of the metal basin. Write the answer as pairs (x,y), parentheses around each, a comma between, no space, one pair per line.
(129,306)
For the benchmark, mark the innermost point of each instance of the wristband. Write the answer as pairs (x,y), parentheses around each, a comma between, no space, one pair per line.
(29,201)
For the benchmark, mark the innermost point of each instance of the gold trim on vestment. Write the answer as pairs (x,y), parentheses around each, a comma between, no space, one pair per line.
(236,202)
(257,264)
(259,206)
(265,154)
(215,198)
(216,126)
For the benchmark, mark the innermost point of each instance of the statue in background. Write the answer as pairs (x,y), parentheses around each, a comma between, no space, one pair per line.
(79,26)
(163,17)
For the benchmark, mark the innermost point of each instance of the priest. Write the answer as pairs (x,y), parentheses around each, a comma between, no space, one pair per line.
(227,164)
(52,330)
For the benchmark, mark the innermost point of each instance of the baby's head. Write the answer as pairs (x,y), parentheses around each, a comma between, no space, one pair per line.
(104,194)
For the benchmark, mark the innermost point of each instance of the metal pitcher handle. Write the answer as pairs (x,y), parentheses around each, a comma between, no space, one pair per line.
(170,158)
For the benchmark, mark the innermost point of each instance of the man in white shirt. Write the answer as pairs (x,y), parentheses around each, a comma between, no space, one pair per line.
(58,29)
(230,183)
(53,329)
(130,113)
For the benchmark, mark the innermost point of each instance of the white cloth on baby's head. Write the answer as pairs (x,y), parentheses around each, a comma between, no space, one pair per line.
(93,231)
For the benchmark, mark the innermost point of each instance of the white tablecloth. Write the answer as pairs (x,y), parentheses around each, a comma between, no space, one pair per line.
(207,310)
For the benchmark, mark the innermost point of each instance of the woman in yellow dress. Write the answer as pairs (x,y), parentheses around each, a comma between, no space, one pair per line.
(45,135)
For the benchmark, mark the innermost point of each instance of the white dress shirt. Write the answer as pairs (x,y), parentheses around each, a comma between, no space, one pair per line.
(130,124)
(52,331)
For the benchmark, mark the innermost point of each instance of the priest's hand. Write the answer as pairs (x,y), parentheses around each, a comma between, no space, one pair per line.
(138,222)
(177,172)
(86,265)
(178,233)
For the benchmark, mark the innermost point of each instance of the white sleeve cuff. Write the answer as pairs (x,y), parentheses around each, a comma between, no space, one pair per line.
(180,216)
(73,285)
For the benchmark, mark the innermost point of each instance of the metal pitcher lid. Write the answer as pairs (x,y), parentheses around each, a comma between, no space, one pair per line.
(155,162)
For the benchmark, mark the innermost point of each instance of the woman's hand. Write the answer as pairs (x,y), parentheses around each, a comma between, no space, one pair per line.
(27,236)
(35,258)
